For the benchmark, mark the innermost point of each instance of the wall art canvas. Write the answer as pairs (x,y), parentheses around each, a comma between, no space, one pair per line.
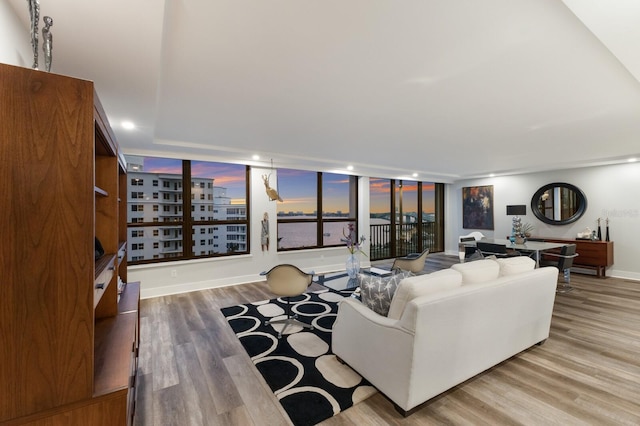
(477,207)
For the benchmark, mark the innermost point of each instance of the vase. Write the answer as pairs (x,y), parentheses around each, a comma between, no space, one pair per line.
(353,265)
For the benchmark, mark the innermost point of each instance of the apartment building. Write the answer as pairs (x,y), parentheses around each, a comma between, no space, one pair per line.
(157,198)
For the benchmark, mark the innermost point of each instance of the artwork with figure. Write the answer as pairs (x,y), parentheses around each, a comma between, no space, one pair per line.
(264,234)
(477,207)
(47,42)
(271,192)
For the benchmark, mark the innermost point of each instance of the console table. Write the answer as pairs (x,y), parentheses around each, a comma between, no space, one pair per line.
(596,255)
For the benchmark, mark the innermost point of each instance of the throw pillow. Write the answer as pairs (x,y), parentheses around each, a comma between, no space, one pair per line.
(516,265)
(422,285)
(376,292)
(478,271)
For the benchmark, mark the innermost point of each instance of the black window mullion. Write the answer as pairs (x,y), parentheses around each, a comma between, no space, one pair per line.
(419,219)
(247,205)
(187,220)
(319,217)
(392,216)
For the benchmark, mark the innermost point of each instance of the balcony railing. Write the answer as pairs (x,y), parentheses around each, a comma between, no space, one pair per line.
(406,239)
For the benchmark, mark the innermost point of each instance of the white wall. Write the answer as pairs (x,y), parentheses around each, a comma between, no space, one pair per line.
(15,39)
(189,275)
(611,191)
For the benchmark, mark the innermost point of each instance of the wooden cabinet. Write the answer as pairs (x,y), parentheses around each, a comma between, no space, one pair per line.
(68,340)
(596,255)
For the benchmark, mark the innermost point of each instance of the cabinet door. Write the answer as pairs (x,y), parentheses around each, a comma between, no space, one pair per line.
(46,255)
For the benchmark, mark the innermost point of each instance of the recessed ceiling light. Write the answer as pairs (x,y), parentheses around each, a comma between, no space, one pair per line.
(633,160)
(256,157)
(128,125)
(415,175)
(349,167)
(492,175)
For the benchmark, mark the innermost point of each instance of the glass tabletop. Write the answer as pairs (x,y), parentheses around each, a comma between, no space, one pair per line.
(340,280)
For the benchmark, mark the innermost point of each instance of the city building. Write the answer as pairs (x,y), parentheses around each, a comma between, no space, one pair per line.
(157,197)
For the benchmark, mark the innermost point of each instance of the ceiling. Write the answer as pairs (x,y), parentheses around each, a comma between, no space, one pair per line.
(446,89)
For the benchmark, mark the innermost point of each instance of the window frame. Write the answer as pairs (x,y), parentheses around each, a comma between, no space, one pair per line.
(319,220)
(187,222)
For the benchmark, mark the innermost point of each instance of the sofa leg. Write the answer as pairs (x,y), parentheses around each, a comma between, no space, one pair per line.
(540,343)
(406,413)
(340,360)
(403,412)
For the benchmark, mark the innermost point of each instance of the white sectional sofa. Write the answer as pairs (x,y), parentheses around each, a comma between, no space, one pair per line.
(446,327)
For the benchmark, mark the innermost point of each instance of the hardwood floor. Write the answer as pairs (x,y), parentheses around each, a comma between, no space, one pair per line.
(193,370)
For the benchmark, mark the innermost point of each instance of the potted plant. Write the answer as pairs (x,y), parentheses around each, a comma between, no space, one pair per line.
(527,229)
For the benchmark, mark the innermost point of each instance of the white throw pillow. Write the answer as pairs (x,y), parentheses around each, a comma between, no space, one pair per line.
(515,265)
(420,285)
(479,271)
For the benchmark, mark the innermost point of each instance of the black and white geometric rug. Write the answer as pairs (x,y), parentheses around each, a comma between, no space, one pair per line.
(303,373)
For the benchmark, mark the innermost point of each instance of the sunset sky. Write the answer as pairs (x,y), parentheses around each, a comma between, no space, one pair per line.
(298,187)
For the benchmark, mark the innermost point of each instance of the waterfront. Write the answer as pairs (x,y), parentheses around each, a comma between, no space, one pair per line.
(301,234)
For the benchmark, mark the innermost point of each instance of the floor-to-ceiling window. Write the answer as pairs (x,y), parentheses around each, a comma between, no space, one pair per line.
(405,217)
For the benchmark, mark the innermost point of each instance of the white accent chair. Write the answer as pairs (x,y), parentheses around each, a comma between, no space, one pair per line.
(469,251)
(475,234)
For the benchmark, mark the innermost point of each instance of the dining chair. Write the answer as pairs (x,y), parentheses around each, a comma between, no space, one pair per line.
(563,261)
(492,249)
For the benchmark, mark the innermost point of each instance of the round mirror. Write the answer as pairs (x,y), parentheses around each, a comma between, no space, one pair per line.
(558,203)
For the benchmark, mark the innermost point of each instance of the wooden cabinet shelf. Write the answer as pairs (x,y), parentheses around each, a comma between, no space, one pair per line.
(69,342)
(100,191)
(130,298)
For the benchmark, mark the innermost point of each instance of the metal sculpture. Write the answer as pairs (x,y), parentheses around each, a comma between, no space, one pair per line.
(264,235)
(47,42)
(34,15)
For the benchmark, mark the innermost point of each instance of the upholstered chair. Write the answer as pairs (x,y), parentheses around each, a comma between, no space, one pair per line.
(288,281)
(411,262)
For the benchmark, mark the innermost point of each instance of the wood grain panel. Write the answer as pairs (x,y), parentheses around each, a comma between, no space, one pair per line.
(108,410)
(51,210)
(47,151)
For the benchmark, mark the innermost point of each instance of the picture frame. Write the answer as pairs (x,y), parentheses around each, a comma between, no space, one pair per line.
(477,207)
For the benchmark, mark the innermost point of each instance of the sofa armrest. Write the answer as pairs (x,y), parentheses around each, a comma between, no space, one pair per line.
(375,346)
(366,313)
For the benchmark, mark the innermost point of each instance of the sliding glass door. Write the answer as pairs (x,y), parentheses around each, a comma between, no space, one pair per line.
(416,222)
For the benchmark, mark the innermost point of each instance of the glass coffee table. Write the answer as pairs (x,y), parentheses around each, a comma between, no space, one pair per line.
(340,281)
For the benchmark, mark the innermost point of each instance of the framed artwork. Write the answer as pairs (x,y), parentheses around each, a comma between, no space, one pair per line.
(477,207)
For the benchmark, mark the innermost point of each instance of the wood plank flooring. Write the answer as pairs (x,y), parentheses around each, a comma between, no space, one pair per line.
(193,370)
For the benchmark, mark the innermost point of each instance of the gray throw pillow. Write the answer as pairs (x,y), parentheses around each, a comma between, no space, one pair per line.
(376,292)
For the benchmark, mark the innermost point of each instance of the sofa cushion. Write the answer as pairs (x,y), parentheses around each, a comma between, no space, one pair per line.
(417,286)
(376,292)
(478,271)
(515,265)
